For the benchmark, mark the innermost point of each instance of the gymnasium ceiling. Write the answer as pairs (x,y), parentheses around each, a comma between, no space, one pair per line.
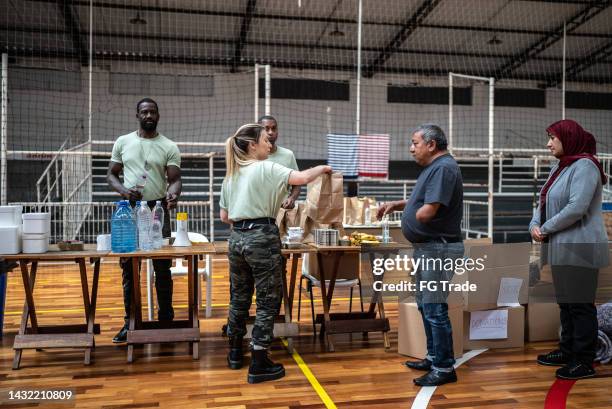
(506,39)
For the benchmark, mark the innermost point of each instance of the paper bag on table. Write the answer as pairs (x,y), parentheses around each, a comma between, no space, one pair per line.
(325,199)
(289,218)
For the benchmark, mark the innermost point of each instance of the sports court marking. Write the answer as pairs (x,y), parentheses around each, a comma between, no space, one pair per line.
(422,399)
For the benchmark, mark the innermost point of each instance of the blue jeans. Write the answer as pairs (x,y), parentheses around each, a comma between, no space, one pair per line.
(432,303)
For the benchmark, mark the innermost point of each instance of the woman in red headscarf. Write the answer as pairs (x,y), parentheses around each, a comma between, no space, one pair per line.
(569,221)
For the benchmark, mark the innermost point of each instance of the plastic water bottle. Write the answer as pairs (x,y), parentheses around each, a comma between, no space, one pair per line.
(135,216)
(143,217)
(367,216)
(157,226)
(386,237)
(123,229)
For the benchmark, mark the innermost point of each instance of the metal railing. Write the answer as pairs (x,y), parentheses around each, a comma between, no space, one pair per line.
(466,225)
(98,218)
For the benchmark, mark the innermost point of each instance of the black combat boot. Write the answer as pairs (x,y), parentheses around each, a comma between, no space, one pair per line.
(262,369)
(235,358)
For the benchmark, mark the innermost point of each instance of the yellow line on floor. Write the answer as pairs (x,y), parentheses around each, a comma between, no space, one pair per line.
(329,404)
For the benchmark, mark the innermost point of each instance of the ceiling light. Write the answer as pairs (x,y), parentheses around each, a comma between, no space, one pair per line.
(336,32)
(138,21)
(494,40)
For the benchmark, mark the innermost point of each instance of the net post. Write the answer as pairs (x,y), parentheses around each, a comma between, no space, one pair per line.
(256,102)
(491,164)
(358,99)
(268,90)
(211,198)
(450,112)
(3,127)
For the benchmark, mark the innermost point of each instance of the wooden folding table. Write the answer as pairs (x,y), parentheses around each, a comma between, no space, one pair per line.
(37,336)
(152,332)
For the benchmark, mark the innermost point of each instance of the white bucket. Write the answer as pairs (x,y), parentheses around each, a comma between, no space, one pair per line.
(36,223)
(10,216)
(11,240)
(35,243)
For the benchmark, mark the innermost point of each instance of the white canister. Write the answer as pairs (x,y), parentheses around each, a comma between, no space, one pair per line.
(10,216)
(35,243)
(11,240)
(36,223)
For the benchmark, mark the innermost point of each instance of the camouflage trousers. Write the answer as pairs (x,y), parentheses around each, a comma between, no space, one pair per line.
(255,262)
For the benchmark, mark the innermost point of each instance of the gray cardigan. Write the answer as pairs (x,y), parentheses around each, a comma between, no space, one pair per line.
(574,222)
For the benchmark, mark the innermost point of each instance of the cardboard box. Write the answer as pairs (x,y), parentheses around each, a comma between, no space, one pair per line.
(607,216)
(411,338)
(348,268)
(543,321)
(516,332)
(487,284)
(499,260)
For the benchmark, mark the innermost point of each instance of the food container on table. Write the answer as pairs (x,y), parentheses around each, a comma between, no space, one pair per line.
(36,223)
(10,216)
(11,240)
(35,243)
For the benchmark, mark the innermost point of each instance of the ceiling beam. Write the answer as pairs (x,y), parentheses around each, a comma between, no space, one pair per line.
(71,21)
(244,33)
(407,29)
(599,55)
(248,62)
(309,46)
(587,13)
(282,17)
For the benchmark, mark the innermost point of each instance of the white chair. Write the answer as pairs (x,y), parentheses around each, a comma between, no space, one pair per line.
(181,269)
(314,282)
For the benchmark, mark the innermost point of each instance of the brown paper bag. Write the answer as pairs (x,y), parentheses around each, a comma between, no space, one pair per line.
(325,199)
(289,218)
(370,203)
(353,210)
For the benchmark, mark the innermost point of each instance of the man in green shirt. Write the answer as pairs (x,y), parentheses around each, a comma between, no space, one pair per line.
(280,155)
(151,167)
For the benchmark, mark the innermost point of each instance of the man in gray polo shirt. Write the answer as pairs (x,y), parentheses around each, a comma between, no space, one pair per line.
(431,220)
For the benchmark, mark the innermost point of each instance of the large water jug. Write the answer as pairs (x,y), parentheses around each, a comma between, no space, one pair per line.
(157,226)
(123,229)
(144,218)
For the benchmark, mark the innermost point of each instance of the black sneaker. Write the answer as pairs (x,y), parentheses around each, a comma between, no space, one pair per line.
(422,365)
(121,336)
(575,371)
(436,378)
(553,358)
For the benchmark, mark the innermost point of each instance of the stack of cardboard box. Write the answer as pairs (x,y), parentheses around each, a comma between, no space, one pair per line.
(500,261)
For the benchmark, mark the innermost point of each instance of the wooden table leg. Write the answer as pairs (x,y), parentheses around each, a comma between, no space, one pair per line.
(327,296)
(292,280)
(92,308)
(377,300)
(86,301)
(29,310)
(192,285)
(135,304)
(286,305)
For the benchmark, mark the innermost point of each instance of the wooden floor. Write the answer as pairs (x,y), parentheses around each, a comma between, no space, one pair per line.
(360,374)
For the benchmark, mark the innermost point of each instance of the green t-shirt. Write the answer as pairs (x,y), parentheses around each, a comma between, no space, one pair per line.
(133,151)
(256,190)
(285,157)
